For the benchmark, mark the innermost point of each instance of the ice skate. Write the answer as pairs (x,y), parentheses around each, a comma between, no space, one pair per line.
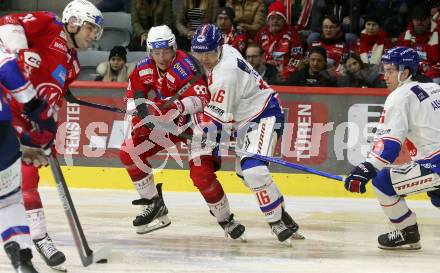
(405,239)
(282,232)
(233,229)
(50,254)
(290,223)
(153,215)
(20,258)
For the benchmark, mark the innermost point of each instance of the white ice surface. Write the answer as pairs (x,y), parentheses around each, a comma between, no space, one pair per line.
(341,236)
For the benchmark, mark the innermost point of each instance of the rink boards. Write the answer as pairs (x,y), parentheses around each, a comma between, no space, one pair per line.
(329,129)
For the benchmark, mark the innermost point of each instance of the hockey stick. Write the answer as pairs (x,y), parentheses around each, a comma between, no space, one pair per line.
(87,255)
(227,147)
(199,73)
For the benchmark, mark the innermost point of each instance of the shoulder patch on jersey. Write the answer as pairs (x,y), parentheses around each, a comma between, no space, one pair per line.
(243,66)
(144,61)
(59,74)
(181,71)
(145,72)
(419,92)
(190,63)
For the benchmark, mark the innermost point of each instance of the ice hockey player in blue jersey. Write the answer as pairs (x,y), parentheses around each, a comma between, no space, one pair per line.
(14,229)
(411,117)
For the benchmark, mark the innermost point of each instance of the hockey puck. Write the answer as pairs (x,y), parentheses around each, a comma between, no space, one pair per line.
(102,261)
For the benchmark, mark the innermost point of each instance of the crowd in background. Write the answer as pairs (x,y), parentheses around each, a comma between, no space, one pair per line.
(300,42)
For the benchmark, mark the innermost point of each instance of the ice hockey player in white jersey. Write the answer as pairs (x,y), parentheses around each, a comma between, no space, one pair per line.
(411,117)
(14,229)
(242,99)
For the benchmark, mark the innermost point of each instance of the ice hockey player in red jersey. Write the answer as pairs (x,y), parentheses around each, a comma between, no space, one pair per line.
(165,71)
(46,46)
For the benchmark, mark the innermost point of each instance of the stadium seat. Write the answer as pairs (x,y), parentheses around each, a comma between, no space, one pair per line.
(88,60)
(117,31)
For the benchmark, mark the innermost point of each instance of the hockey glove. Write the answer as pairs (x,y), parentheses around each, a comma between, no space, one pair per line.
(37,112)
(34,156)
(175,105)
(359,177)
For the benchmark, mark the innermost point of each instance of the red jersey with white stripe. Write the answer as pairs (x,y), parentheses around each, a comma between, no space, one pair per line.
(40,40)
(146,77)
(411,112)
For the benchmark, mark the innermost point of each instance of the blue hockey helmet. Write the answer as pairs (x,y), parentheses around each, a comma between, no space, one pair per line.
(402,57)
(206,38)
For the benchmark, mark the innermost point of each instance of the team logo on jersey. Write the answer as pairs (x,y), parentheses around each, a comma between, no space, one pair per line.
(32,59)
(59,74)
(180,71)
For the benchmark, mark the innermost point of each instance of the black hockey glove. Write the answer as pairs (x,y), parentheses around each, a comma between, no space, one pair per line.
(359,177)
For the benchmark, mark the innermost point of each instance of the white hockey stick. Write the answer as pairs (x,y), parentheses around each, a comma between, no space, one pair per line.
(87,255)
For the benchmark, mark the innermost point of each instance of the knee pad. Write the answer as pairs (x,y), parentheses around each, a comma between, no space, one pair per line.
(435,197)
(10,190)
(383,182)
(204,178)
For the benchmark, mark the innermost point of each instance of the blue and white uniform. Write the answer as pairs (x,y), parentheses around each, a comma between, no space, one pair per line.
(13,224)
(242,101)
(411,115)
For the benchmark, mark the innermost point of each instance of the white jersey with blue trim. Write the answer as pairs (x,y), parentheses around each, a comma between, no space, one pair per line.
(411,112)
(13,79)
(238,93)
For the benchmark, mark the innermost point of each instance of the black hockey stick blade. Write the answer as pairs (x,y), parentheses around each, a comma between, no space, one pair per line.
(72,99)
(87,255)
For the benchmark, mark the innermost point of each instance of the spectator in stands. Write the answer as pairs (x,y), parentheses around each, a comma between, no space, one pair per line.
(333,40)
(193,14)
(116,68)
(146,14)
(114,5)
(394,14)
(315,73)
(254,55)
(231,35)
(282,44)
(358,74)
(249,14)
(422,35)
(373,42)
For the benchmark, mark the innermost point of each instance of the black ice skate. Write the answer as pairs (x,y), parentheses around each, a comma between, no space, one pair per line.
(20,258)
(291,224)
(405,239)
(153,215)
(233,228)
(50,254)
(282,232)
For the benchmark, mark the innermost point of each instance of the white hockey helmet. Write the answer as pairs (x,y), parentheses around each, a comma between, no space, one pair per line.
(84,11)
(161,37)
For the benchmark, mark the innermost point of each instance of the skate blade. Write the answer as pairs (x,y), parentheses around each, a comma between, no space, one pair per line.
(242,238)
(59,268)
(156,224)
(415,246)
(287,242)
(297,236)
